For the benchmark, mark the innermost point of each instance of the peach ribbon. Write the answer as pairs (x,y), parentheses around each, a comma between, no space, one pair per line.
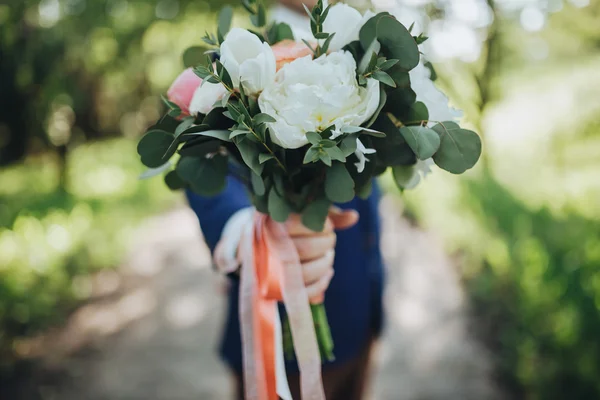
(271,272)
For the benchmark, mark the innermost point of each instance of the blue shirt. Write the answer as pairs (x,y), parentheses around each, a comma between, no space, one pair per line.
(353,300)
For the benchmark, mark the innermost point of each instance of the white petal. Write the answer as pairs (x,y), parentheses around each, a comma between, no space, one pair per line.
(345,22)
(206,96)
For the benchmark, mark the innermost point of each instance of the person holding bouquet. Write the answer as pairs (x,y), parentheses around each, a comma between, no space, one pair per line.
(342,267)
(278,141)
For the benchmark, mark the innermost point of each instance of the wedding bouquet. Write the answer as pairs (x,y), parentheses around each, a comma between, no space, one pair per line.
(304,124)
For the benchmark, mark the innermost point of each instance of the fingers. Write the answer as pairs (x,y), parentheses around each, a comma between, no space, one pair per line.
(316,291)
(314,270)
(314,247)
(343,219)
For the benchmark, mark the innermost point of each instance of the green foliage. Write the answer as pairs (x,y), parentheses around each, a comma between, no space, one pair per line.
(423,141)
(73,233)
(537,294)
(339,186)
(459,148)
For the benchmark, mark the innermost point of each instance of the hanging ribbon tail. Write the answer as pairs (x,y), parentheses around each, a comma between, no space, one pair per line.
(271,272)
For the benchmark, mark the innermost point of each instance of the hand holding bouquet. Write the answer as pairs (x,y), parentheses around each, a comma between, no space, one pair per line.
(305,124)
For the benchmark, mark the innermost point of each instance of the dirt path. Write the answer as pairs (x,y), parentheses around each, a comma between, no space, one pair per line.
(152,332)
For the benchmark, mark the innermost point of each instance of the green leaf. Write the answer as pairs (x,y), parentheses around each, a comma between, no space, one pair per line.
(418,113)
(250,152)
(225,17)
(223,74)
(348,145)
(263,118)
(405,176)
(325,157)
(260,19)
(173,181)
(313,137)
(279,210)
(280,32)
(200,148)
(387,64)
(193,56)
(184,125)
(397,42)
(258,186)
(459,148)
(368,32)
(205,175)
(422,140)
(155,148)
(327,43)
(238,132)
(336,154)
(217,134)
(369,60)
(312,155)
(264,157)
(322,35)
(384,78)
(432,73)
(339,186)
(364,192)
(315,214)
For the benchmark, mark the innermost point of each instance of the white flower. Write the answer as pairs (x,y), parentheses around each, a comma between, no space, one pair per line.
(431,96)
(206,96)
(345,22)
(311,95)
(360,152)
(248,60)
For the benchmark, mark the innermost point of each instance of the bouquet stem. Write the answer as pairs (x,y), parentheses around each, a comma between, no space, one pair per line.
(323,332)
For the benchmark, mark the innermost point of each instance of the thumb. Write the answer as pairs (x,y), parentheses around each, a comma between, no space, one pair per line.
(343,219)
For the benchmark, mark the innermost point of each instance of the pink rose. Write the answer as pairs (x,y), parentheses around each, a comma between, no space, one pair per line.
(287,51)
(182,90)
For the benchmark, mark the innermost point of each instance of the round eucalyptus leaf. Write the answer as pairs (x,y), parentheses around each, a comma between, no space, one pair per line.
(194,56)
(174,181)
(155,148)
(315,214)
(422,140)
(206,175)
(405,176)
(459,150)
(279,210)
(339,186)
(258,186)
(398,42)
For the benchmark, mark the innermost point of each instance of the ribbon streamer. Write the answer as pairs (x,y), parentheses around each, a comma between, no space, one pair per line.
(271,272)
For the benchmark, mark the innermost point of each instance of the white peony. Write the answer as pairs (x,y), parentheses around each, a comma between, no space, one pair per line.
(435,100)
(206,96)
(345,22)
(311,95)
(248,60)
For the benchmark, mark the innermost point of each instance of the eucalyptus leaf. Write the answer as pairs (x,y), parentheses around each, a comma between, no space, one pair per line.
(258,186)
(155,148)
(384,78)
(263,118)
(205,175)
(221,134)
(185,124)
(264,157)
(315,214)
(173,181)
(312,155)
(313,137)
(348,145)
(225,17)
(422,140)
(336,154)
(397,42)
(405,176)
(250,152)
(339,186)
(279,210)
(459,150)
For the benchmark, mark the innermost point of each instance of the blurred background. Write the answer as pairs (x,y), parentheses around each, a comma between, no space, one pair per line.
(106,290)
